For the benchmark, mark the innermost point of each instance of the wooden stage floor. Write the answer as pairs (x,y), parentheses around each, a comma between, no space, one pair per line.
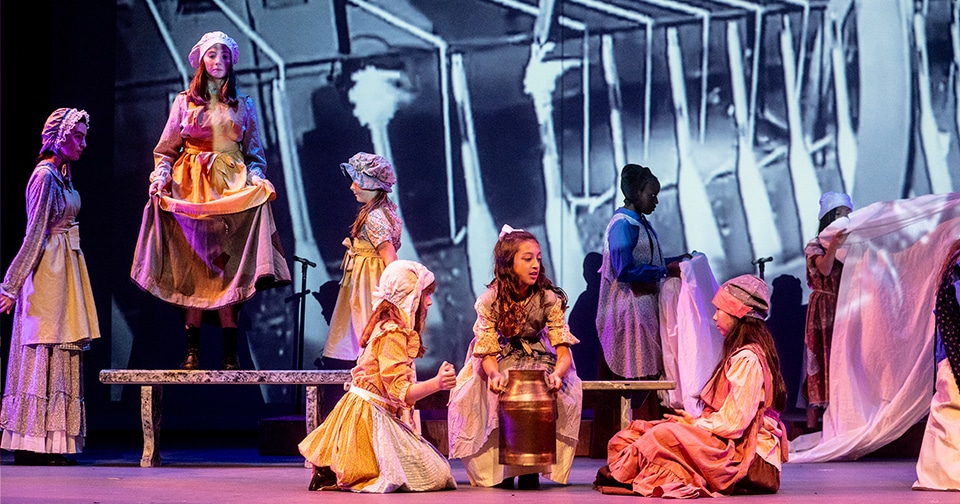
(234,472)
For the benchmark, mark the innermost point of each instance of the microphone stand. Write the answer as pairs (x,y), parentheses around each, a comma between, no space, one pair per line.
(300,297)
(759,262)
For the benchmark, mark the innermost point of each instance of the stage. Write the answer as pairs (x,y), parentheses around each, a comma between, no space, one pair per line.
(230,470)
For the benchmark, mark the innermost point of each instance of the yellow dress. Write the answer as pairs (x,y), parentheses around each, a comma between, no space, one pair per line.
(364,439)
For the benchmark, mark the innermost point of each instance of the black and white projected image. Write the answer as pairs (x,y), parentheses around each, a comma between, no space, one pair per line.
(494,113)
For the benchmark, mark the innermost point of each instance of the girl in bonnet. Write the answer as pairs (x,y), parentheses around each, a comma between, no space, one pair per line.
(372,245)
(823,278)
(738,443)
(367,443)
(208,241)
(54,317)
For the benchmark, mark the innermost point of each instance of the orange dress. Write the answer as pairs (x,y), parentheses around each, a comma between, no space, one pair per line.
(366,439)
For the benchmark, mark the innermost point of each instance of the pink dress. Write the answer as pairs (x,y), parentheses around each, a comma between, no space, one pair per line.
(711,454)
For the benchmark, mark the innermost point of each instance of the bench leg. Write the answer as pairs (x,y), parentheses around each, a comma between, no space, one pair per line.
(151,399)
(314,398)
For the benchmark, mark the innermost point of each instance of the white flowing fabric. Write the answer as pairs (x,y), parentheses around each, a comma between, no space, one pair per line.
(883,337)
(691,342)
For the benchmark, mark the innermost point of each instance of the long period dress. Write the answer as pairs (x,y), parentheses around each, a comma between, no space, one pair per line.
(628,321)
(938,466)
(818,333)
(362,267)
(712,455)
(472,410)
(368,440)
(212,241)
(54,321)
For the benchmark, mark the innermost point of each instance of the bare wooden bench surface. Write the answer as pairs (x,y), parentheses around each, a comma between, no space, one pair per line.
(151,383)
(611,404)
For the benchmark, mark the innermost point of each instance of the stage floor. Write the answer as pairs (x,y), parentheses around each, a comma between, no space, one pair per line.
(210,472)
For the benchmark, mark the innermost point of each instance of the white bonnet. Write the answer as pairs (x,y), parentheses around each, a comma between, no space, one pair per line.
(210,39)
(831,200)
(402,283)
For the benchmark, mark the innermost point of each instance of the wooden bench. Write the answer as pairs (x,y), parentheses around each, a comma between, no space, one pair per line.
(610,400)
(611,404)
(151,393)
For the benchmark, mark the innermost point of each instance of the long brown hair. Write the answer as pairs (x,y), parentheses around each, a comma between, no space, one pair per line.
(199,94)
(508,304)
(378,201)
(749,330)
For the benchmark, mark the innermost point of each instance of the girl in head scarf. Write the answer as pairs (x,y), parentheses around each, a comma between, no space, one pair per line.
(823,278)
(54,320)
(738,443)
(208,241)
(367,443)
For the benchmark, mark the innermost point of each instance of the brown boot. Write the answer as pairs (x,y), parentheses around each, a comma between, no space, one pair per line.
(192,360)
(230,360)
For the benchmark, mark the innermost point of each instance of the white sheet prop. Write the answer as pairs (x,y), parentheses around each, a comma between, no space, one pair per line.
(881,363)
(691,342)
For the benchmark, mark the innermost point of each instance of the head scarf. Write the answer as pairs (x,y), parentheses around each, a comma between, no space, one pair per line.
(59,124)
(210,39)
(370,171)
(744,296)
(831,200)
(401,283)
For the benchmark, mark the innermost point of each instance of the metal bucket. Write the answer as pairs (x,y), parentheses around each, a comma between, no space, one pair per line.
(528,419)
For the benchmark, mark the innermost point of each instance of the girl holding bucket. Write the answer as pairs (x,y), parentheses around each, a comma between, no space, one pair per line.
(520,326)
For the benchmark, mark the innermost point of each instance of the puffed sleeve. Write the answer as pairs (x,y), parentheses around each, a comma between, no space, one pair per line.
(811,251)
(253,155)
(41,191)
(558,332)
(485,328)
(168,149)
(745,375)
(392,348)
(377,228)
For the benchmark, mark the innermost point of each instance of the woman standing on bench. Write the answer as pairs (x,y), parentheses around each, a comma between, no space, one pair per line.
(519,326)
(54,318)
(367,443)
(738,442)
(207,240)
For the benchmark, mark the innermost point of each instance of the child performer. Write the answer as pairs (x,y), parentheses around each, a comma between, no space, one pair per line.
(366,444)
(519,326)
(208,241)
(372,245)
(823,278)
(738,443)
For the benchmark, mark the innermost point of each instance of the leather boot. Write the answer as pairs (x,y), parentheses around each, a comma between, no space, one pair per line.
(192,360)
(230,360)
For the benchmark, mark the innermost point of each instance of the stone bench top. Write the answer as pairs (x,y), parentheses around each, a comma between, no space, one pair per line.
(305,377)
(218,377)
(628,385)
